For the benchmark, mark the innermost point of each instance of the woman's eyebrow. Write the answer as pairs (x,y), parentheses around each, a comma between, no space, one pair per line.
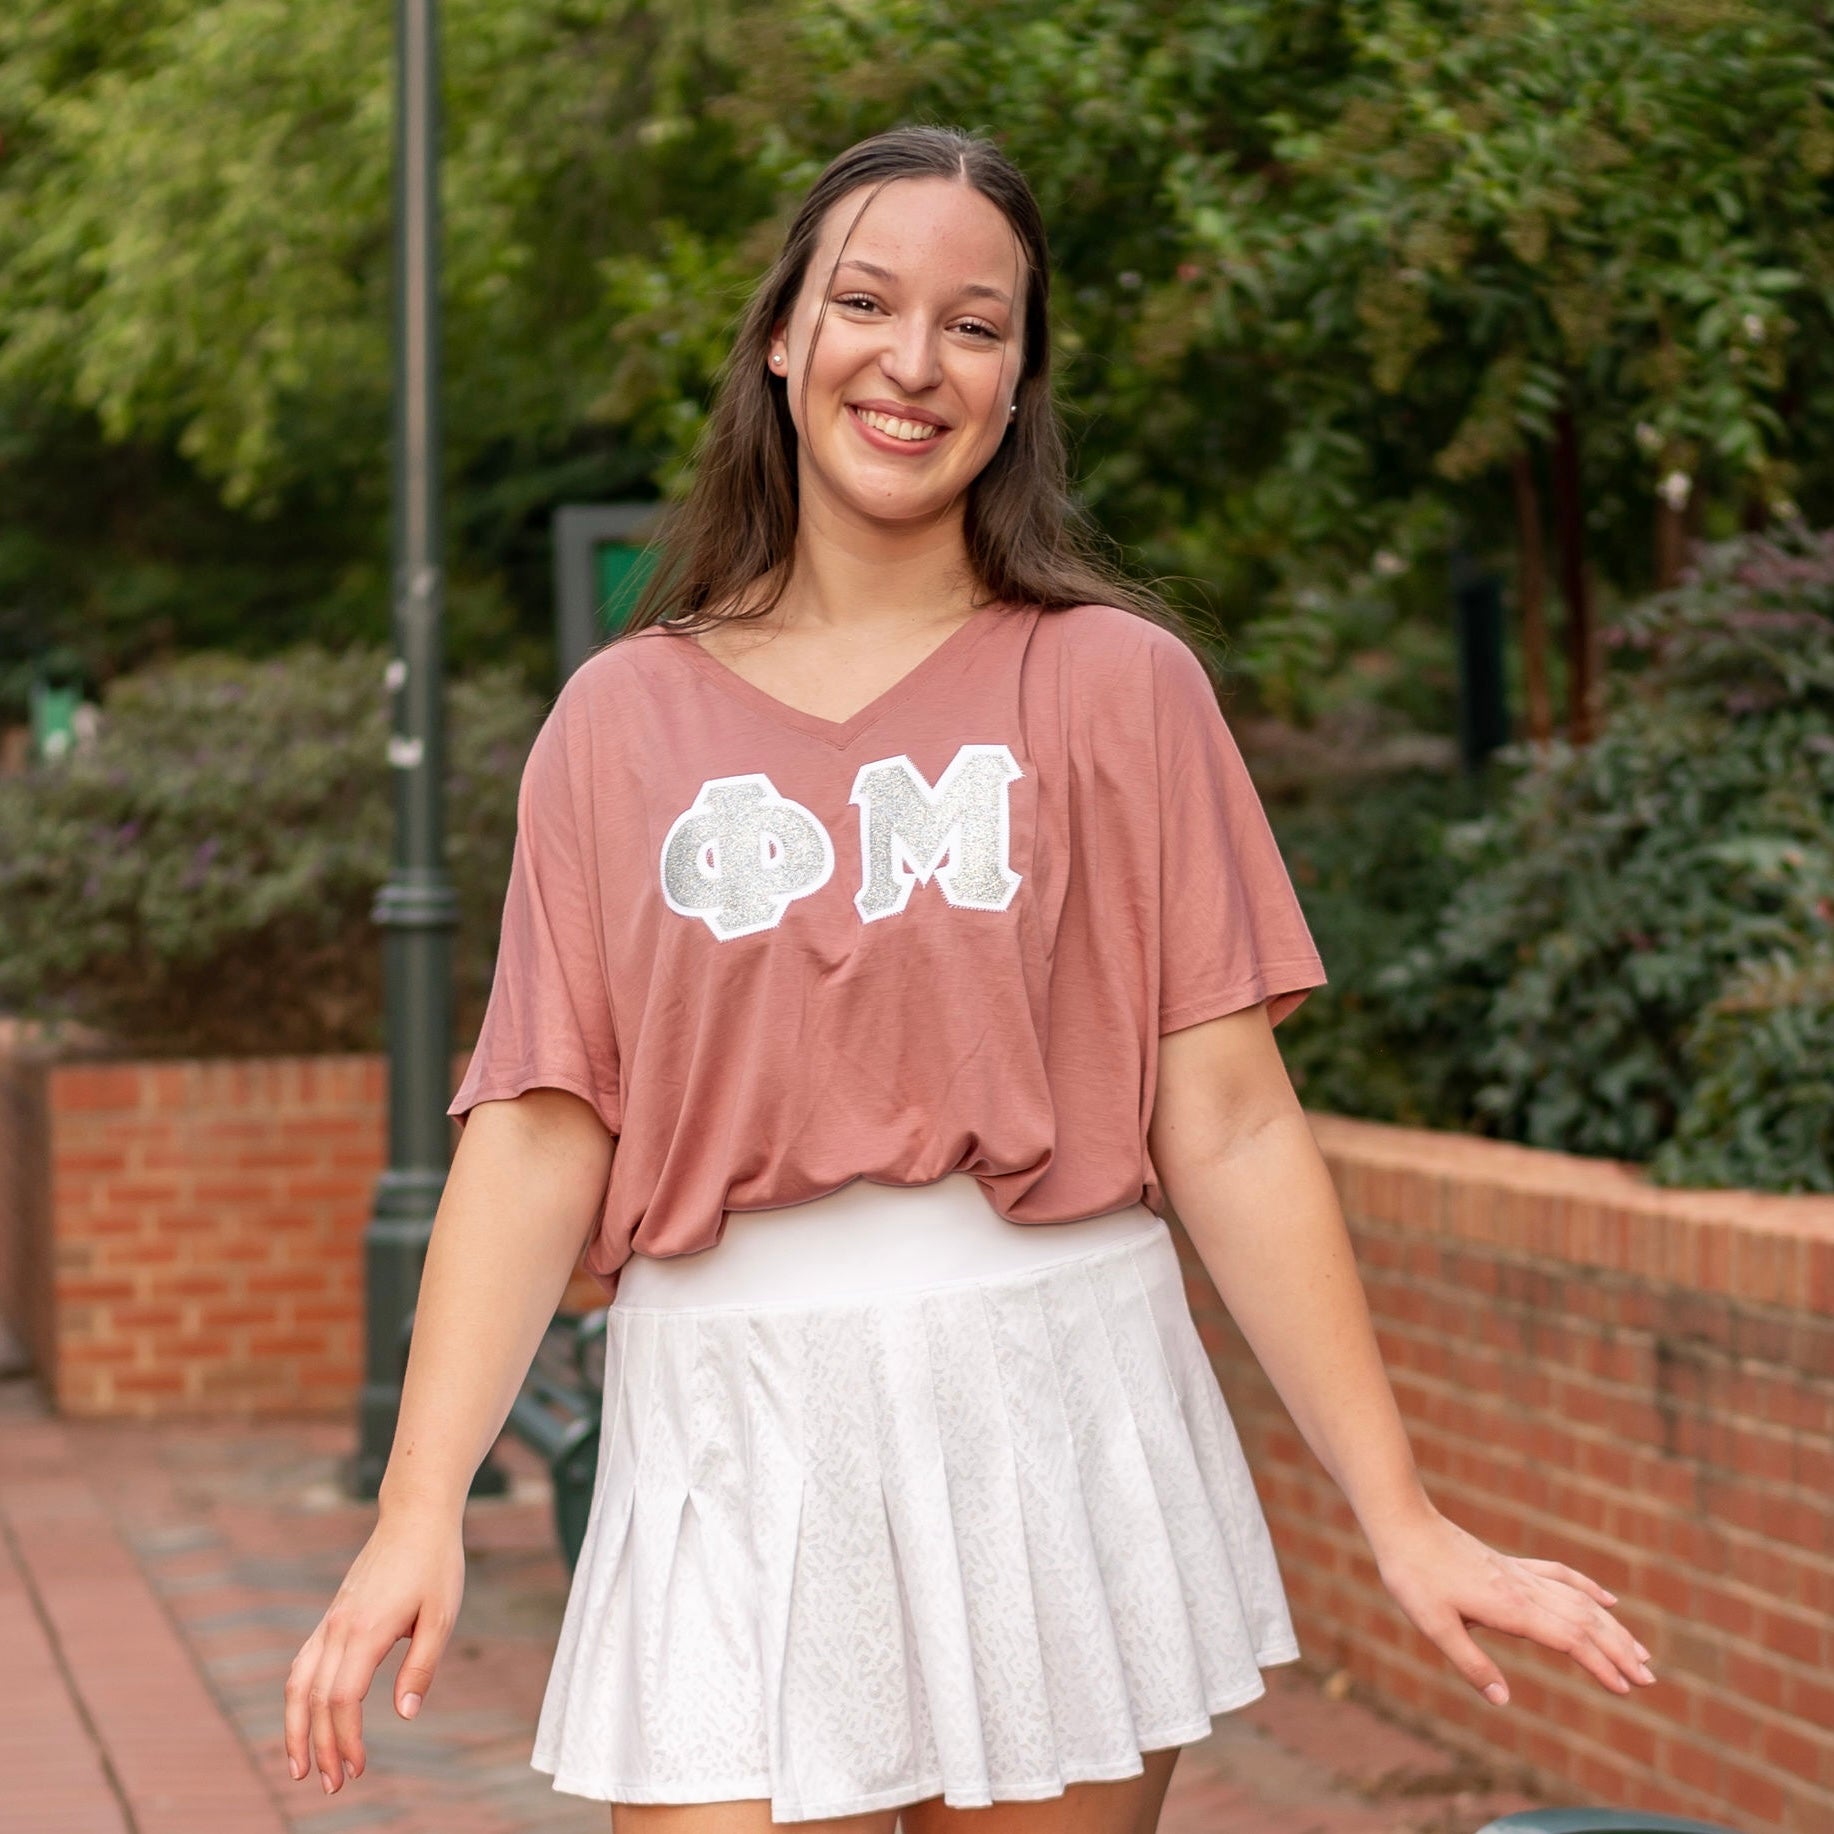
(974,289)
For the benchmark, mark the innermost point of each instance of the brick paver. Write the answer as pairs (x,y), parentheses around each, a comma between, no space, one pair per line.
(137,1716)
(157,1579)
(57,1775)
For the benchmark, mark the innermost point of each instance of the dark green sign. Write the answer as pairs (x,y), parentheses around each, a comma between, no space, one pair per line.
(602,558)
(623,572)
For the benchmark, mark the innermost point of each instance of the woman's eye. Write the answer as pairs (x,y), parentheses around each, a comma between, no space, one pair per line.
(864,302)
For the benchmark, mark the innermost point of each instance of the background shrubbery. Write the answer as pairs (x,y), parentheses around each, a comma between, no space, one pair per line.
(1626,949)
(1368,857)
(199,879)
(1632,954)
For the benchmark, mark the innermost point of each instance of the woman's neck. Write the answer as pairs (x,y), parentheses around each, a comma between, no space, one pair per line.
(851,571)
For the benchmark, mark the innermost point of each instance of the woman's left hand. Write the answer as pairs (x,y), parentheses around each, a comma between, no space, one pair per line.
(1444,1579)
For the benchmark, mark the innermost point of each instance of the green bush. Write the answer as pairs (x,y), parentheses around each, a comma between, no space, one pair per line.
(1639,961)
(199,879)
(1369,858)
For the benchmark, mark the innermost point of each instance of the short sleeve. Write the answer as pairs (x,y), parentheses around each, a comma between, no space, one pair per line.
(548,1021)
(1232,932)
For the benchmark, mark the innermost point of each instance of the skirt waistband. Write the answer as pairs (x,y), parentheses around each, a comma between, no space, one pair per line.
(868,1238)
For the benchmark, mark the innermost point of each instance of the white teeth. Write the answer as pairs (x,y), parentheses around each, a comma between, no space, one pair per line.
(898,429)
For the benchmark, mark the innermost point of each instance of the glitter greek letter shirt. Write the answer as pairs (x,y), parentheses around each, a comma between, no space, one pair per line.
(777,952)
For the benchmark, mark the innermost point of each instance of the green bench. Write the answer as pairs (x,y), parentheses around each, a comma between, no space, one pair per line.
(556,1414)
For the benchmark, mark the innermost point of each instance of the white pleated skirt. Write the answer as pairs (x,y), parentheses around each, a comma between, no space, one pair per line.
(897,1499)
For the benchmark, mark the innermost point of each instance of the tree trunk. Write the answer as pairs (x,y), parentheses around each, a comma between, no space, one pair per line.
(1671,543)
(1583,678)
(1531,599)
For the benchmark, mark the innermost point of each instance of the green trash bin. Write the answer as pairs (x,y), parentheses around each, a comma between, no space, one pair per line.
(1600,1821)
(53,697)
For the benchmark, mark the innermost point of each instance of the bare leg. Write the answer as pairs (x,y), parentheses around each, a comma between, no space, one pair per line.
(1129,1805)
(751,1816)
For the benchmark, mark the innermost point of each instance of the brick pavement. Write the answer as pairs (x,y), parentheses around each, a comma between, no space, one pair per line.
(156,1580)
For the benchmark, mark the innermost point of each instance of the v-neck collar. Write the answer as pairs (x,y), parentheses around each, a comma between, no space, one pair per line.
(841,733)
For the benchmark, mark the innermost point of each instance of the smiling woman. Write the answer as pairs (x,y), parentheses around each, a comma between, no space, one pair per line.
(889,389)
(868,993)
(903,368)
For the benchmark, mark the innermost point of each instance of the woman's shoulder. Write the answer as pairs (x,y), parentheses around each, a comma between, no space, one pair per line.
(597,714)
(1110,644)
(630,663)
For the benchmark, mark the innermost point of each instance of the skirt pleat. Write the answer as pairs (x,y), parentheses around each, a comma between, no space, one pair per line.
(981,1540)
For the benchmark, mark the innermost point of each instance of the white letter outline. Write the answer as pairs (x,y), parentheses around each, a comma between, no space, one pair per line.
(886,883)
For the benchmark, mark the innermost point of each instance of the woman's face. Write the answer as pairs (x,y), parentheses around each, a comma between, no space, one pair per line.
(909,383)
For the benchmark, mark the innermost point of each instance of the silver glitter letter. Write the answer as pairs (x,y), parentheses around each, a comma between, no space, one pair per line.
(741,853)
(905,827)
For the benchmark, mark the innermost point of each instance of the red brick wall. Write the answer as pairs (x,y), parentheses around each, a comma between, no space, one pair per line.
(208,1223)
(1639,1383)
(209,1219)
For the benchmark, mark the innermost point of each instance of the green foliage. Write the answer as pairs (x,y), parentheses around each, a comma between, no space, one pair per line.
(195,264)
(1368,856)
(1504,197)
(1761,1113)
(1323,265)
(1638,958)
(199,880)
(199,244)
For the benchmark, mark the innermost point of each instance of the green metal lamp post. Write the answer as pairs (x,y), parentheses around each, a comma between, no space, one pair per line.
(417,909)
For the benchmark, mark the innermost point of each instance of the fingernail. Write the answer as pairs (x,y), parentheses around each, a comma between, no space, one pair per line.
(1496,1694)
(1610,1598)
(1648,1673)
(410,1705)
(324,1777)
(1642,1653)
(350,1770)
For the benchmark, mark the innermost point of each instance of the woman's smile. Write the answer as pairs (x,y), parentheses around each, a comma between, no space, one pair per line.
(890,428)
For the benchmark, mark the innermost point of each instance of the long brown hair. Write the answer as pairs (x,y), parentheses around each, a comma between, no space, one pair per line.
(1027,541)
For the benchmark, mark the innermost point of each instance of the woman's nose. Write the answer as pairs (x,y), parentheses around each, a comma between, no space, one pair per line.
(912,357)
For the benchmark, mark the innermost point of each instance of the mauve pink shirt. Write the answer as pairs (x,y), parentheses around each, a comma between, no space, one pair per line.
(777,953)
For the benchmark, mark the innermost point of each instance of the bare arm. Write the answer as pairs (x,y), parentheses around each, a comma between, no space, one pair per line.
(527,1180)
(522,1196)
(1238,1161)
(1239,1164)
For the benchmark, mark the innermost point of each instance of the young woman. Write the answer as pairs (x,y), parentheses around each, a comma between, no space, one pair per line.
(893,897)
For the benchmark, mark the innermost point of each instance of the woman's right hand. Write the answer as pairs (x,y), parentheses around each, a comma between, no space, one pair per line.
(486,1296)
(407,1582)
